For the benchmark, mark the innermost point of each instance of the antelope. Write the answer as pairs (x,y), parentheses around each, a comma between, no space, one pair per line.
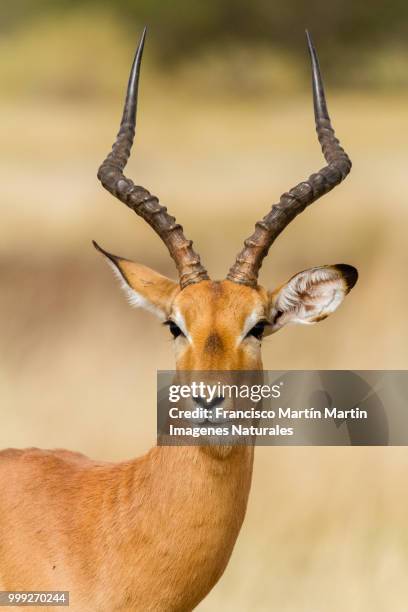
(156,533)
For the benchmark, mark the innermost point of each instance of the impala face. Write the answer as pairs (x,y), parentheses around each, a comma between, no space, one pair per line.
(219,325)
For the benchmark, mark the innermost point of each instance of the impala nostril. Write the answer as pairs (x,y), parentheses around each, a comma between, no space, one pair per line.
(205,403)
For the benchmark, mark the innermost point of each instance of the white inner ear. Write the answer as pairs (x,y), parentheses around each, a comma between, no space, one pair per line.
(135,299)
(308,297)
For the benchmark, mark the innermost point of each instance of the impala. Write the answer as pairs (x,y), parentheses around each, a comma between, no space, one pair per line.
(156,532)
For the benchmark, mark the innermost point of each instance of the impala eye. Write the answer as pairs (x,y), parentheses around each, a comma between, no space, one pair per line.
(174,329)
(258,330)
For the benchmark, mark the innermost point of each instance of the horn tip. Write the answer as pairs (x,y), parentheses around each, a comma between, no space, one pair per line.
(310,44)
(143,36)
(139,52)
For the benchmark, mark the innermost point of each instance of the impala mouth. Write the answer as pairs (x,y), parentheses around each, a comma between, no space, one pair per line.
(208,415)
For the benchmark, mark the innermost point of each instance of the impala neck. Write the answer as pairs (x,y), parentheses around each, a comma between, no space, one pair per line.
(191,473)
(187,506)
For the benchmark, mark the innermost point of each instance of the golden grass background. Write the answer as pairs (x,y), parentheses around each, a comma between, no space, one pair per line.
(326,528)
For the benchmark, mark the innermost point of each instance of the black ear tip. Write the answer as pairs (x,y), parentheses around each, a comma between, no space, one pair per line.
(99,248)
(349,273)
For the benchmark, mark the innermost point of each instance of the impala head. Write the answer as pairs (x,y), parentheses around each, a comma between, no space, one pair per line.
(219,325)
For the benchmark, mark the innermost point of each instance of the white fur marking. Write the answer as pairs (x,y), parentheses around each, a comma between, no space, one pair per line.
(251,320)
(179,320)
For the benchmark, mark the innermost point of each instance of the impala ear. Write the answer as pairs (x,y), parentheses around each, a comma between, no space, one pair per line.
(144,287)
(310,296)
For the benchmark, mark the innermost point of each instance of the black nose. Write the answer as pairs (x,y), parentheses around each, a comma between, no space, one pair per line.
(202,401)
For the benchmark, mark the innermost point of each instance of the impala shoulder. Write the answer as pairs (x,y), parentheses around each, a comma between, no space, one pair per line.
(43,457)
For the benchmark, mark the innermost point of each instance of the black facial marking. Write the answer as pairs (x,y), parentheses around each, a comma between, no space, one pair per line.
(214,343)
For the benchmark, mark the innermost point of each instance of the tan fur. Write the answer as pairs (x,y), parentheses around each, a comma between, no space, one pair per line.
(154,533)
(148,534)
(219,310)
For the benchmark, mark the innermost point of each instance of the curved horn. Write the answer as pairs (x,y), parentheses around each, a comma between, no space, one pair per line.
(249,261)
(138,198)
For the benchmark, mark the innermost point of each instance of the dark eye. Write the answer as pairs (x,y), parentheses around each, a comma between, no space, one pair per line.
(258,330)
(174,329)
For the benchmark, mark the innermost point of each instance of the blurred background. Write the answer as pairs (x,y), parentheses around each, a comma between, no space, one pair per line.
(225,126)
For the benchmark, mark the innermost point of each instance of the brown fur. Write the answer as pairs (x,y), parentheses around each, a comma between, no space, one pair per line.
(154,533)
(215,314)
(214,343)
(149,534)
